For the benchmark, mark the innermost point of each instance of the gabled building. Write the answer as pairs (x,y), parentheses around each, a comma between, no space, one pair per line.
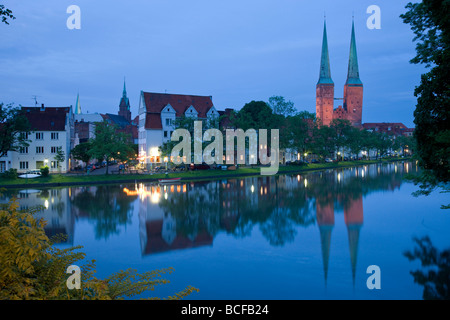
(391,128)
(51,129)
(157,115)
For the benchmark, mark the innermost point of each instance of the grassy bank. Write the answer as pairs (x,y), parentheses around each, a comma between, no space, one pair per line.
(68,180)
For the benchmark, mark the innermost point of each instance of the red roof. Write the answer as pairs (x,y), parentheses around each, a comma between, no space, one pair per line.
(46,119)
(156,102)
(153,121)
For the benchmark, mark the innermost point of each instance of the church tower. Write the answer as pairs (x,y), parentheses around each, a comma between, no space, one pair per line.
(124,106)
(353,88)
(325,85)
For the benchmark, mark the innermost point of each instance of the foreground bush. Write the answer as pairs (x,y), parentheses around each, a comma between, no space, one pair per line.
(31,267)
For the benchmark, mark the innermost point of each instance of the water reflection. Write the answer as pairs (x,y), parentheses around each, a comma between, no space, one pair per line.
(107,207)
(435,273)
(188,215)
(56,209)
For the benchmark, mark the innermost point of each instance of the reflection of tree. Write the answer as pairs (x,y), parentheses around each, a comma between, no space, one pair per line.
(194,210)
(108,206)
(289,208)
(435,281)
(278,204)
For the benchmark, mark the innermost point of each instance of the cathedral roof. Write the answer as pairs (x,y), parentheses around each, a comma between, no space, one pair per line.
(353,69)
(325,70)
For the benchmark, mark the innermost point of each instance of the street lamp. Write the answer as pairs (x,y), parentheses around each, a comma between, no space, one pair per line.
(166,159)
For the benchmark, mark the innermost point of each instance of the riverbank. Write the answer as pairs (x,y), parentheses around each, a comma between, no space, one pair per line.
(62,180)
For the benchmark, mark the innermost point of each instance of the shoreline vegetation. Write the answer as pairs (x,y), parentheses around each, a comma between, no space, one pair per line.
(62,180)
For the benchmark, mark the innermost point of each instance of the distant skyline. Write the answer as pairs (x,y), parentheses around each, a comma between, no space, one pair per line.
(234,51)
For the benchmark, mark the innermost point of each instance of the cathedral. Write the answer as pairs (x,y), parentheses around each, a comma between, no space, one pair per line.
(351,108)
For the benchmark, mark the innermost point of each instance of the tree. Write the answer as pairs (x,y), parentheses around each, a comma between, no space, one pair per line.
(81,152)
(257,115)
(430,22)
(341,133)
(5,14)
(356,140)
(60,157)
(282,107)
(297,132)
(324,141)
(109,144)
(32,268)
(14,127)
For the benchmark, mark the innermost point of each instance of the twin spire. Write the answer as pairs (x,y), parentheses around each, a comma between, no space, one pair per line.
(325,70)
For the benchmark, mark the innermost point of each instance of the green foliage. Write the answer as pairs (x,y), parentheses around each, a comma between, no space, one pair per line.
(81,152)
(60,155)
(12,124)
(31,267)
(257,115)
(10,174)
(280,106)
(429,21)
(436,278)
(45,171)
(5,14)
(109,144)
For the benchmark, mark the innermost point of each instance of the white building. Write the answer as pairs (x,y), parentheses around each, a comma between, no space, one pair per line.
(157,114)
(51,129)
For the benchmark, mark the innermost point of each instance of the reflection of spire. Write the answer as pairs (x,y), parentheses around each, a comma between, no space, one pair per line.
(353,215)
(325,220)
(353,239)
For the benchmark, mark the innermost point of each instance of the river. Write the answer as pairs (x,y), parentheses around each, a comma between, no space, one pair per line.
(298,236)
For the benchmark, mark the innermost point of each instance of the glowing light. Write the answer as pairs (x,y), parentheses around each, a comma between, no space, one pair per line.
(154,198)
(46,204)
(306,182)
(252,188)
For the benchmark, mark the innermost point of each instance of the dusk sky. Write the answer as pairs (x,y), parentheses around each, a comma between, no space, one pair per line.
(234,51)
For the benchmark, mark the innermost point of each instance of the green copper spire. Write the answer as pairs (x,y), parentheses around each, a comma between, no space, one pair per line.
(124,100)
(124,89)
(325,71)
(353,70)
(77,105)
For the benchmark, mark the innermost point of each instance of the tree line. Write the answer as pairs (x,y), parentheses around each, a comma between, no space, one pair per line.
(302,133)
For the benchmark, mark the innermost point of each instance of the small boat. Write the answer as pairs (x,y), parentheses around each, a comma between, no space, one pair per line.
(172,180)
(29,176)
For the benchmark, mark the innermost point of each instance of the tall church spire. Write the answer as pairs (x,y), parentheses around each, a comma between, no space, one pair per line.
(124,93)
(353,70)
(124,105)
(325,70)
(77,105)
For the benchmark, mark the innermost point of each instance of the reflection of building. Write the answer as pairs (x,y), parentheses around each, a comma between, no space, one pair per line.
(158,228)
(56,210)
(353,215)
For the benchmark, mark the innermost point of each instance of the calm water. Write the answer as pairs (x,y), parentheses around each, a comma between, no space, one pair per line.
(309,236)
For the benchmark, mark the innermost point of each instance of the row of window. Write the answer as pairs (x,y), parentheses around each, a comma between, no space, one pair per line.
(39,135)
(39,150)
(23,165)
